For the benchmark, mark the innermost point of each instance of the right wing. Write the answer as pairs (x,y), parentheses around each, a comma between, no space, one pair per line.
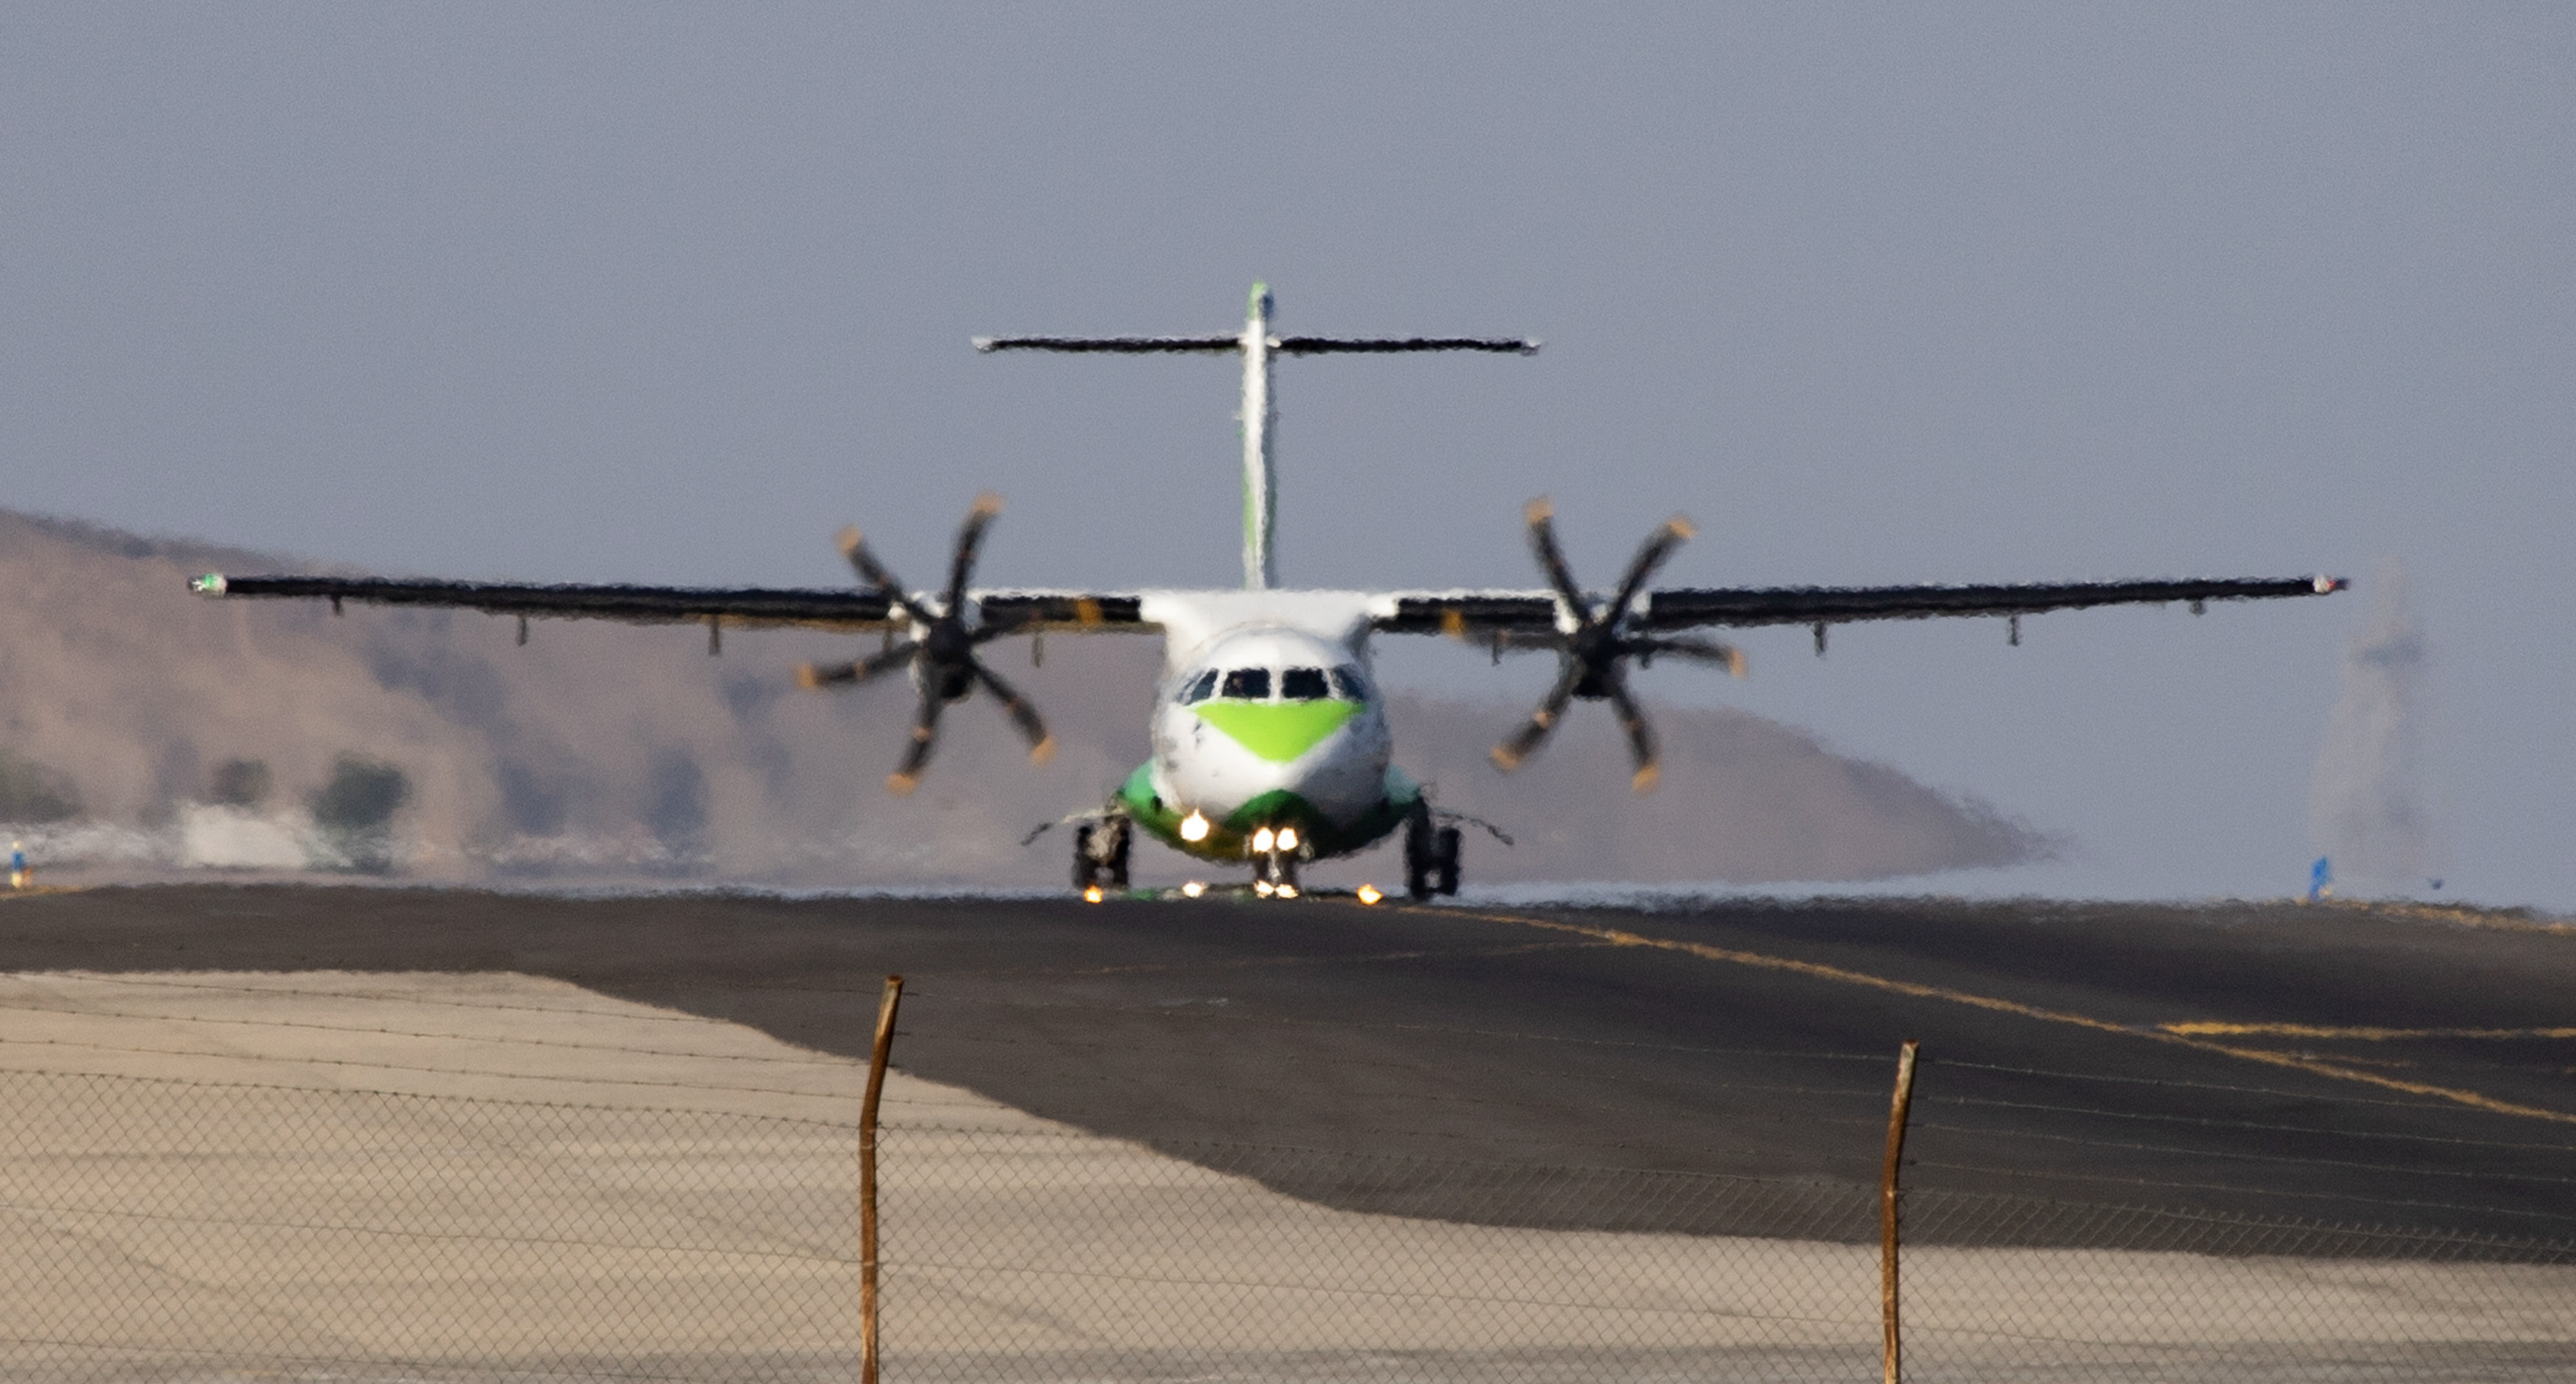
(729,608)
(735,608)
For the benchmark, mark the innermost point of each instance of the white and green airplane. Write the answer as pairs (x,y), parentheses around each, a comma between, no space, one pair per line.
(1270,740)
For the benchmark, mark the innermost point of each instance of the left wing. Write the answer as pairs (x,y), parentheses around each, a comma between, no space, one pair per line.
(1475,614)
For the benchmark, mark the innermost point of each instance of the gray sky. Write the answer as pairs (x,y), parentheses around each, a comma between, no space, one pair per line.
(1876,294)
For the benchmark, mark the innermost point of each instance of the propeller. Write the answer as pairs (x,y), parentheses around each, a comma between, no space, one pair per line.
(1592,658)
(940,650)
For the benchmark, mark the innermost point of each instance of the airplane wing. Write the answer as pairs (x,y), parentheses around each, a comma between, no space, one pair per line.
(724,607)
(735,608)
(1470,614)
(1683,608)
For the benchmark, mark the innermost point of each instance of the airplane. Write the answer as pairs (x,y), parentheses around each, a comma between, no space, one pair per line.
(1270,745)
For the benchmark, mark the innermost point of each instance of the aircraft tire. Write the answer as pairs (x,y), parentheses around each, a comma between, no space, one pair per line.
(1444,856)
(1114,860)
(1086,871)
(1421,864)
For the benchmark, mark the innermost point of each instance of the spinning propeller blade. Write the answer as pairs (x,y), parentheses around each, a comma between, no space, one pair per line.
(1593,656)
(941,653)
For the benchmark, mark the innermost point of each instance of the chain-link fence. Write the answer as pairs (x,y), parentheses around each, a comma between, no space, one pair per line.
(167,1228)
(1045,1255)
(159,1229)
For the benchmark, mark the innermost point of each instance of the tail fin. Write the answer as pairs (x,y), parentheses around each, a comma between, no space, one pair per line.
(1260,416)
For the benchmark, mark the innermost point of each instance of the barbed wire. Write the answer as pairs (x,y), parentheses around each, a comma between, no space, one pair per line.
(2238,1156)
(512,1040)
(641,1015)
(1192,1010)
(419,1365)
(2202,1120)
(482,1072)
(2039,1175)
(2420,1103)
(426,1236)
(444,1098)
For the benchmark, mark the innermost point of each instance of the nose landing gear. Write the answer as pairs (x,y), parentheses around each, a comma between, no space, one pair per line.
(1274,873)
(1430,856)
(1100,854)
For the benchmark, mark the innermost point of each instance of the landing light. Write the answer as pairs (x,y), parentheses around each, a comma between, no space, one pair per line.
(1264,839)
(1287,838)
(1262,887)
(1287,891)
(1369,894)
(1193,889)
(1091,894)
(1194,827)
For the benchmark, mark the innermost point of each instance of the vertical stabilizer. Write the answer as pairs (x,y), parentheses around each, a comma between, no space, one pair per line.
(1260,412)
(1260,416)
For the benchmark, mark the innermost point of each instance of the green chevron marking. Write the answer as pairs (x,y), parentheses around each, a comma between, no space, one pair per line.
(1277,731)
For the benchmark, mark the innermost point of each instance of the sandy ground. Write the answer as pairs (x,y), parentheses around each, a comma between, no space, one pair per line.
(467,1176)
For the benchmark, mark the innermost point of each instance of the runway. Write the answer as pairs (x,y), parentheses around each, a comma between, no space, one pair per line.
(2324,1064)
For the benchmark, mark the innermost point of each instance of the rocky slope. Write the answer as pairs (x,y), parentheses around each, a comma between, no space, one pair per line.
(128,708)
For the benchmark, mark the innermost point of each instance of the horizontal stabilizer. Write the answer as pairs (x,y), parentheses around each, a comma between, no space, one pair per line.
(1110,345)
(1286,345)
(1389,345)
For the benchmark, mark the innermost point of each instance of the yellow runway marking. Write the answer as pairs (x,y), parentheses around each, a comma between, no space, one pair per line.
(1841,975)
(2213,1029)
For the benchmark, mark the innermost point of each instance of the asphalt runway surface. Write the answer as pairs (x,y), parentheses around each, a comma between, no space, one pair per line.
(2228,1062)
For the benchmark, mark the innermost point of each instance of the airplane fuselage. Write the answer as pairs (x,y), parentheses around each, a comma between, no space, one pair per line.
(1267,716)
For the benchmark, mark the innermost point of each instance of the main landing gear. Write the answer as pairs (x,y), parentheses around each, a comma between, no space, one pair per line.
(1100,854)
(1430,855)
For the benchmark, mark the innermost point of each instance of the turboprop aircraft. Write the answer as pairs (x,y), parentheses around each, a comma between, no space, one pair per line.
(1270,740)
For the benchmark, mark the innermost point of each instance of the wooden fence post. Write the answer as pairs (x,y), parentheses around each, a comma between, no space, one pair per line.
(1896,1117)
(868,1179)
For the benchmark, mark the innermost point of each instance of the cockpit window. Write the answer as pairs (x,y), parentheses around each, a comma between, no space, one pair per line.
(1250,684)
(1353,687)
(1200,689)
(1304,685)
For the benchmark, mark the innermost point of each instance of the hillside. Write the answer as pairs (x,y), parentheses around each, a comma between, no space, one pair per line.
(606,751)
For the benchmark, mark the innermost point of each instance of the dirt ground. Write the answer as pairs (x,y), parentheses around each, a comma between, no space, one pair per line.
(480,1175)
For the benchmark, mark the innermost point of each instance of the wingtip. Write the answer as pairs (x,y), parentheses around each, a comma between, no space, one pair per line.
(1645,779)
(1538,511)
(1738,666)
(211,584)
(987,505)
(1682,527)
(2325,585)
(1042,751)
(901,785)
(809,677)
(1504,759)
(848,540)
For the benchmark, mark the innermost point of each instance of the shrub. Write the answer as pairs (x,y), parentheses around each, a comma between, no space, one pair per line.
(355,812)
(241,783)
